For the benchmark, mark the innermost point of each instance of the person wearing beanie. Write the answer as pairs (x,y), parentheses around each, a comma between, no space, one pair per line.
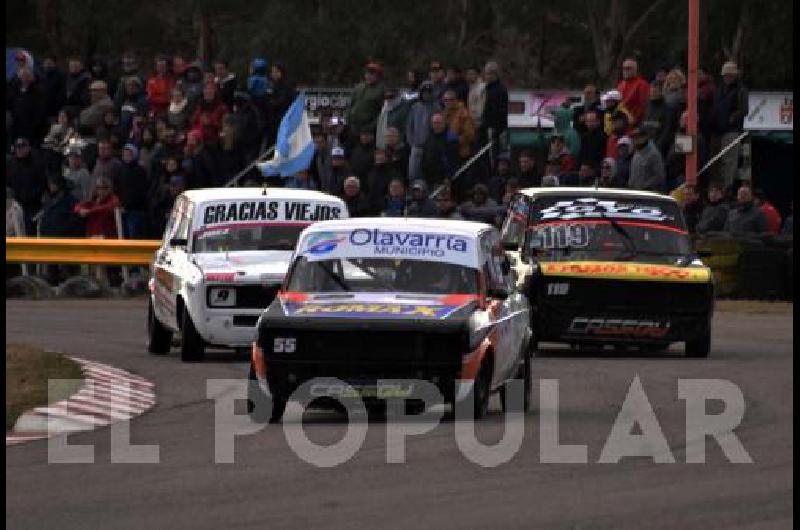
(420,204)
(131,186)
(366,102)
(418,127)
(79,178)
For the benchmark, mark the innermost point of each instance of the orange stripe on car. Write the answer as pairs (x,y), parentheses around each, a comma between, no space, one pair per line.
(259,364)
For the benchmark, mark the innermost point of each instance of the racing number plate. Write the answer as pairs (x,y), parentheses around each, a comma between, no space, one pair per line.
(222,297)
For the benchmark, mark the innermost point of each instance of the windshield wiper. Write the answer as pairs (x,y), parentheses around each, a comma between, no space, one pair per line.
(626,237)
(335,276)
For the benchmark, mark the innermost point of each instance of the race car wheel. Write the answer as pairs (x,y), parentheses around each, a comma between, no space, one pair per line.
(524,373)
(257,403)
(278,408)
(700,346)
(159,338)
(192,344)
(482,390)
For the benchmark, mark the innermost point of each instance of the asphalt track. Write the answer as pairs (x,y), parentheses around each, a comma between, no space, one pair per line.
(268,486)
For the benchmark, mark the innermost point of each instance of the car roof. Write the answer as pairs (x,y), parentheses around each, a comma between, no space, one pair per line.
(214,194)
(433,226)
(594,192)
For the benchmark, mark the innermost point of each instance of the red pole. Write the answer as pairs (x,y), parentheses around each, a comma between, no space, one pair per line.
(691,96)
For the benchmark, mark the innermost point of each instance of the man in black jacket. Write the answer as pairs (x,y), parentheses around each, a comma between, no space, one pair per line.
(495,111)
(377,183)
(26,101)
(25,175)
(730,108)
(660,119)
(357,203)
(593,141)
(715,212)
(77,84)
(131,186)
(746,217)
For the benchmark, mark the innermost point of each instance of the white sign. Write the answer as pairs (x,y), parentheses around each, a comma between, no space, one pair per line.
(770,111)
(378,243)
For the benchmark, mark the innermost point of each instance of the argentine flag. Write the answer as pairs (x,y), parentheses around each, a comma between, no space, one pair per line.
(294,147)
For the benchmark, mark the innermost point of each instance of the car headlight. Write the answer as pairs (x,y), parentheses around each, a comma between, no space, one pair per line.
(221,296)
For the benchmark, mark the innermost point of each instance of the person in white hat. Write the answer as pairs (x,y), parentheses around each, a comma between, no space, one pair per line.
(611,103)
(730,108)
(622,163)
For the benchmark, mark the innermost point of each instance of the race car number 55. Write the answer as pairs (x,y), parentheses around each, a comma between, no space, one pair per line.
(284,345)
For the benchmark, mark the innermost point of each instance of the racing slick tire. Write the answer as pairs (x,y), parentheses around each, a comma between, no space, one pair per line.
(258,406)
(700,346)
(159,338)
(524,373)
(192,345)
(482,391)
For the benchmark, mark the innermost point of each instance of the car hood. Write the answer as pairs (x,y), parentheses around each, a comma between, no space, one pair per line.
(374,306)
(258,266)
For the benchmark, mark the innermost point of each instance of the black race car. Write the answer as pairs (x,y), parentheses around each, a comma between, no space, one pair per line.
(609,267)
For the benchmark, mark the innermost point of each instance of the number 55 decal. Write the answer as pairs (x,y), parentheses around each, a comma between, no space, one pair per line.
(284,345)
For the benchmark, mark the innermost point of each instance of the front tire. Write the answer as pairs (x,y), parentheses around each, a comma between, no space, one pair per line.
(259,407)
(700,346)
(524,373)
(482,391)
(193,346)
(159,338)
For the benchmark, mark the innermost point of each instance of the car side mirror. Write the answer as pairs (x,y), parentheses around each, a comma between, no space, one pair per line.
(498,293)
(178,242)
(505,266)
(510,245)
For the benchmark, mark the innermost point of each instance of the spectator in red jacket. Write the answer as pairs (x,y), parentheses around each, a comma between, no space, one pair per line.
(635,91)
(159,87)
(209,114)
(99,210)
(771,213)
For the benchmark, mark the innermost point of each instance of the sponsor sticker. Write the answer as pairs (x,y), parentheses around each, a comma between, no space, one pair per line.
(619,327)
(369,310)
(625,271)
(590,207)
(374,242)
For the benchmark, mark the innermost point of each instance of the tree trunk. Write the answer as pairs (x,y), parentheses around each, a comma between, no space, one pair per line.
(201,23)
(612,34)
(48,12)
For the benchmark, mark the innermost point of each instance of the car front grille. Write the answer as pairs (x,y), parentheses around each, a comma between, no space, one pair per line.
(248,296)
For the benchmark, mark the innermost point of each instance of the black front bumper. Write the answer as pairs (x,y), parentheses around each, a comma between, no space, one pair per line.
(364,355)
(620,311)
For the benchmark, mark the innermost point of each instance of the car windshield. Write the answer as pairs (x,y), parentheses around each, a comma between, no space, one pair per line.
(613,230)
(381,275)
(233,238)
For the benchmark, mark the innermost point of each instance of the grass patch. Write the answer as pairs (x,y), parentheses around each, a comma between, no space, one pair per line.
(27,372)
(754,307)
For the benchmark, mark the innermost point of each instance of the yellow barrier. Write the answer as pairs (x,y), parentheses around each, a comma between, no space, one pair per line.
(80,251)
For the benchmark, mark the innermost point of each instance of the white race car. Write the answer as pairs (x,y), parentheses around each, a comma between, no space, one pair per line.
(224,255)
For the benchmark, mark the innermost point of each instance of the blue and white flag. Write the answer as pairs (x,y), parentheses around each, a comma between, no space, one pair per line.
(294,148)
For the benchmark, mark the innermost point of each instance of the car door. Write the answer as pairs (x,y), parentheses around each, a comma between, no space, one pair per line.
(166,268)
(504,312)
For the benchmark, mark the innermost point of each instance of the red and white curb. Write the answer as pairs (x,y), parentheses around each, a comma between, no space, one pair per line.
(107,395)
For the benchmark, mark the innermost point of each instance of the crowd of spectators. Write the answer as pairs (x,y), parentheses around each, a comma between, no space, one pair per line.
(85,144)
